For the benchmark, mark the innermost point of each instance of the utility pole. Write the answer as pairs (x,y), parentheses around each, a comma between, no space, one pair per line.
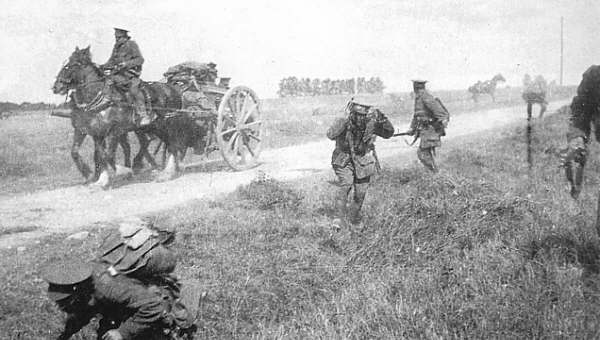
(561,50)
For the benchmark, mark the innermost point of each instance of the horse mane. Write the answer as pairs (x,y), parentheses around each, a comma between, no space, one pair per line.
(84,57)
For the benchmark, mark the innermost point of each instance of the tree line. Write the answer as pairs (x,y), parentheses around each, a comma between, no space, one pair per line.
(298,87)
(27,106)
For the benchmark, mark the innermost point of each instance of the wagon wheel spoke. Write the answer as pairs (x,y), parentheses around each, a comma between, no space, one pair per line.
(239,151)
(230,143)
(248,146)
(241,96)
(249,113)
(227,131)
(231,106)
(229,119)
(254,137)
(243,108)
(251,124)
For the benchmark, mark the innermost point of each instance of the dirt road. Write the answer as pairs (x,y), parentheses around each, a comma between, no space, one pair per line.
(70,208)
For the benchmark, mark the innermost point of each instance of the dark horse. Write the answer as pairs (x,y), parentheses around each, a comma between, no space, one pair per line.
(108,124)
(86,82)
(486,87)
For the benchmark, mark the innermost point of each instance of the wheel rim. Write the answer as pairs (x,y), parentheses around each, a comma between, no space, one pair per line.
(239,128)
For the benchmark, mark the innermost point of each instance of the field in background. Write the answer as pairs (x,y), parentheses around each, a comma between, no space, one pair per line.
(483,250)
(35,148)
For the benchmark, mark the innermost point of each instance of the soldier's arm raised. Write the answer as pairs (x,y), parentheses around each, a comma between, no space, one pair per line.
(383,127)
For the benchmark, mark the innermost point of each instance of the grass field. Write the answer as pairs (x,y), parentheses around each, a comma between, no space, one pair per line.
(483,250)
(35,148)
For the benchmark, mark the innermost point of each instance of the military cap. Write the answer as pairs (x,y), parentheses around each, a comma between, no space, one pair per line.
(419,81)
(120,31)
(65,278)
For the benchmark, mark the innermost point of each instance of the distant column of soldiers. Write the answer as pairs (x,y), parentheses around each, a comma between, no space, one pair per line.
(300,87)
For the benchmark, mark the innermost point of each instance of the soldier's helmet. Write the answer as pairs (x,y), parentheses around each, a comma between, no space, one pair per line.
(66,278)
(356,108)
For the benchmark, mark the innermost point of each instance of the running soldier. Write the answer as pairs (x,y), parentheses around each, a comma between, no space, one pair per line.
(354,159)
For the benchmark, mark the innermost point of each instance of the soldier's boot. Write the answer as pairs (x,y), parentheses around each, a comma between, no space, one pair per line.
(425,155)
(360,191)
(339,222)
(144,117)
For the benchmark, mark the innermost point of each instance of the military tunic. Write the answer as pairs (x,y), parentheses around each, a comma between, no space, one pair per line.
(129,54)
(124,303)
(352,159)
(428,112)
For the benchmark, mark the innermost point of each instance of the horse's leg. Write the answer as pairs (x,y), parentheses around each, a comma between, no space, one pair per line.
(124,142)
(84,169)
(164,155)
(171,169)
(543,107)
(138,161)
(106,156)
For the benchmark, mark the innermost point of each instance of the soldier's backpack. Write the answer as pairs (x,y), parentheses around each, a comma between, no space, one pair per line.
(136,250)
(443,132)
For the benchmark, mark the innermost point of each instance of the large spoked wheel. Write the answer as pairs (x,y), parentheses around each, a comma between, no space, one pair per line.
(239,128)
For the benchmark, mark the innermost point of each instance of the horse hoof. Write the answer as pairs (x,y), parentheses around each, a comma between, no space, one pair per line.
(162,177)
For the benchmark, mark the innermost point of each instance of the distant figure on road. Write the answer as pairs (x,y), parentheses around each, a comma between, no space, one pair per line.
(429,123)
(354,160)
(534,92)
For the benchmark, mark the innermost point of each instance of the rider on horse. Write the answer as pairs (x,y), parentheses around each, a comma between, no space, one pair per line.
(125,62)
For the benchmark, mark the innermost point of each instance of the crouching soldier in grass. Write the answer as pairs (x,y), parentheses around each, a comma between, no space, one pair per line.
(129,286)
(354,160)
(429,123)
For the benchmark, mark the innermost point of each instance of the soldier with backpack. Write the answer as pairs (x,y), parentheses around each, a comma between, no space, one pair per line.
(429,123)
(129,285)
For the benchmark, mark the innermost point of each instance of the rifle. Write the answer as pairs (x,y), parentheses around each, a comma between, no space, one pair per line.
(407,133)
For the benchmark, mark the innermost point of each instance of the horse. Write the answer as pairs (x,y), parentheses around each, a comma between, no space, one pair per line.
(82,87)
(107,122)
(486,87)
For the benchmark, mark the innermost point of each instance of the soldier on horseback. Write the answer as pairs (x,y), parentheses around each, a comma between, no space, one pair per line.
(125,64)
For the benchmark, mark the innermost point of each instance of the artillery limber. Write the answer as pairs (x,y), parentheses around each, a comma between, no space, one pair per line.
(224,118)
(230,116)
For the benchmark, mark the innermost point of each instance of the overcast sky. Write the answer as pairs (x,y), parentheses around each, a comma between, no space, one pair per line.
(258,42)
